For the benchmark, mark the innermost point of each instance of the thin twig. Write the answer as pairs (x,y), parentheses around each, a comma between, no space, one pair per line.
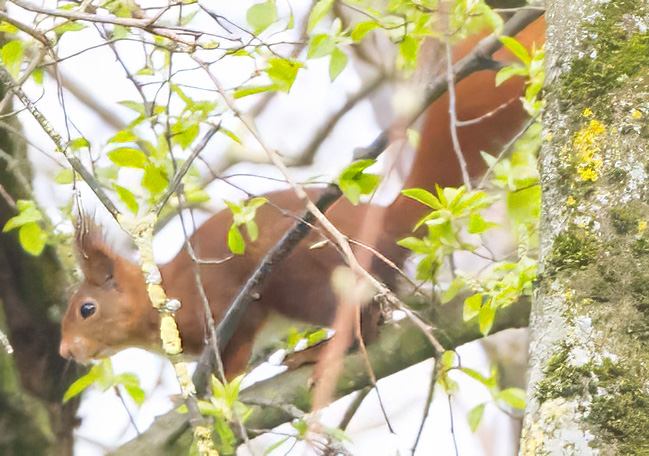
(370,371)
(429,400)
(450,411)
(36,34)
(306,158)
(505,148)
(128,412)
(476,120)
(353,407)
(26,74)
(81,93)
(10,201)
(185,168)
(453,116)
(170,32)
(74,162)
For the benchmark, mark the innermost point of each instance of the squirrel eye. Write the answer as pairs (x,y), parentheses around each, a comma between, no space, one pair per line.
(87,309)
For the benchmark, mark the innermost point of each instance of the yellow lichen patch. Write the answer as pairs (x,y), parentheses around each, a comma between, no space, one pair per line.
(170,336)
(636,114)
(156,295)
(186,384)
(586,146)
(204,443)
(571,201)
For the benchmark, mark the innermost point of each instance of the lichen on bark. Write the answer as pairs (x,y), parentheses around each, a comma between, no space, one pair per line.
(589,347)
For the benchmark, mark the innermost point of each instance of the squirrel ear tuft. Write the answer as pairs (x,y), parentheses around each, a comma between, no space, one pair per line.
(97,258)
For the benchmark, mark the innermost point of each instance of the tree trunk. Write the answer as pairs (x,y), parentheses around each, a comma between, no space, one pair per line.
(33,420)
(590,315)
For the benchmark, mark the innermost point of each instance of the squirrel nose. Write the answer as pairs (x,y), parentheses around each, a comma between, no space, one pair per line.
(64,350)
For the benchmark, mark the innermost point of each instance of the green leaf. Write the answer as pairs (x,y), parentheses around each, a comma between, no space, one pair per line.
(414,244)
(32,238)
(524,206)
(127,198)
(489,382)
(37,75)
(234,208)
(29,213)
(232,390)
(320,46)
(353,182)
(319,11)
(472,306)
(447,359)
(65,176)
(300,426)
(79,143)
(226,437)
(256,203)
(337,63)
(253,230)
(236,244)
(79,385)
(261,16)
(230,134)
(136,393)
(6,27)
(477,224)
(427,268)
(69,26)
(509,72)
(187,18)
(155,179)
(120,32)
(486,319)
(474,417)
(218,389)
(128,157)
(275,446)
(12,57)
(362,28)
(123,136)
(184,135)
(453,289)
(283,73)
(489,159)
(162,150)
(517,49)
(424,197)
(145,71)
(246,91)
(316,337)
(137,107)
(408,50)
(515,397)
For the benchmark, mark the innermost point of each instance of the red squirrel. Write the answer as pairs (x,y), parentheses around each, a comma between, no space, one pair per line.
(111,310)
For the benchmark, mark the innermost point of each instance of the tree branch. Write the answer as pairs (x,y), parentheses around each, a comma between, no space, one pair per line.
(399,346)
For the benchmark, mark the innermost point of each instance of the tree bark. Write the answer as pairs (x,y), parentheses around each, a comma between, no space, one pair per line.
(33,378)
(590,314)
